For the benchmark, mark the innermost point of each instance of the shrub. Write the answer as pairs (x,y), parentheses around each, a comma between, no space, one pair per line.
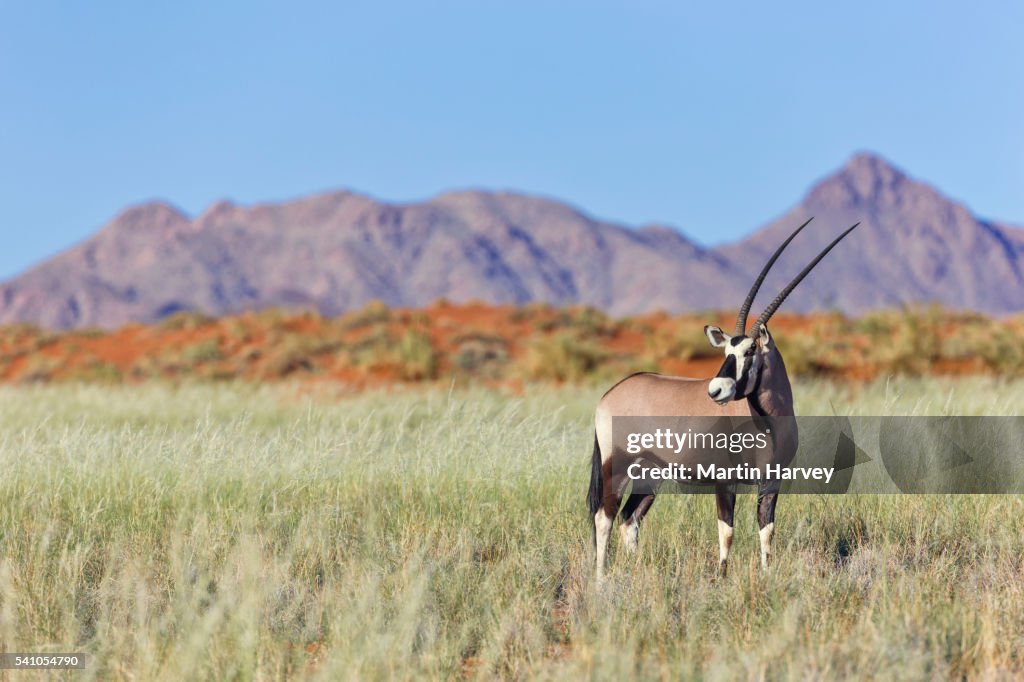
(39,368)
(561,357)
(372,313)
(592,322)
(917,343)
(1003,351)
(371,349)
(288,353)
(804,355)
(287,362)
(481,355)
(102,371)
(238,330)
(530,312)
(187,320)
(417,358)
(679,343)
(207,350)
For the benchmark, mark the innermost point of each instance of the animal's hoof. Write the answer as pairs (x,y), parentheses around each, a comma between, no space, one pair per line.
(723,567)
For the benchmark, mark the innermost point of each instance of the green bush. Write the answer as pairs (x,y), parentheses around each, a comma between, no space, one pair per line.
(1004,352)
(207,350)
(679,343)
(561,357)
(481,356)
(917,343)
(417,358)
(373,312)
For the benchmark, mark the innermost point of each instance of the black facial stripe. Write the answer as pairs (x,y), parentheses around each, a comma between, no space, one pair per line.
(736,340)
(728,370)
(741,383)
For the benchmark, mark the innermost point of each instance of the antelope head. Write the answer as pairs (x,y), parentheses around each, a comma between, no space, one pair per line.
(746,353)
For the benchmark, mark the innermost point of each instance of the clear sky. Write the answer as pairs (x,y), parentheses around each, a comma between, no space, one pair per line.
(712,117)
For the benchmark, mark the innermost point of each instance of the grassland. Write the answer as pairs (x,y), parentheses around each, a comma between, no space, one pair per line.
(229,531)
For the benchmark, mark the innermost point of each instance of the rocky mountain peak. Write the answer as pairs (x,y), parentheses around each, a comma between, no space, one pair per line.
(152,215)
(866,180)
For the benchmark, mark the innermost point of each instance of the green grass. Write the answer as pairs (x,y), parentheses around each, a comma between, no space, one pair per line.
(234,532)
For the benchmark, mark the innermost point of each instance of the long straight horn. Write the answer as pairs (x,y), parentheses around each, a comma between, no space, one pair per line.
(774,305)
(741,320)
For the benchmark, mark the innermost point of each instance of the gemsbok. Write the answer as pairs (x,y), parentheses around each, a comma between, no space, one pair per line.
(752,382)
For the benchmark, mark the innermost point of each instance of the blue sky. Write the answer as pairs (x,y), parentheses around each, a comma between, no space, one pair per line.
(711,120)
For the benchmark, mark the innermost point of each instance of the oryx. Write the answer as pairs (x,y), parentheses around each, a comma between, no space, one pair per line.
(752,382)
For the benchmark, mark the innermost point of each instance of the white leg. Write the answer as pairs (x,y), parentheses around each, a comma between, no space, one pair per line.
(725,532)
(602,531)
(630,532)
(766,543)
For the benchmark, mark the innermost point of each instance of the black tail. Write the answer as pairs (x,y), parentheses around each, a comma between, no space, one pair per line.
(596,491)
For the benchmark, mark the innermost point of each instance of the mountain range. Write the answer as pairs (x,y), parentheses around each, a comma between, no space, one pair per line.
(338,251)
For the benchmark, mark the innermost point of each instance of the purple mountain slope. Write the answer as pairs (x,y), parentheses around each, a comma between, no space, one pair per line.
(913,245)
(340,250)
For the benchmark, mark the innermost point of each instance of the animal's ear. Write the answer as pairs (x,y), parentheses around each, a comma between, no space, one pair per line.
(716,336)
(763,337)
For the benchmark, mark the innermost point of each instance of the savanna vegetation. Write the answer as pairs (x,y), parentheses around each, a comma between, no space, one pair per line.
(216,530)
(501,345)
